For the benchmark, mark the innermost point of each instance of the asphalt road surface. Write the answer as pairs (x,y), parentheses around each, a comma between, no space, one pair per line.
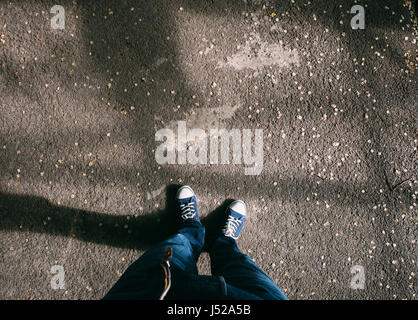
(332,197)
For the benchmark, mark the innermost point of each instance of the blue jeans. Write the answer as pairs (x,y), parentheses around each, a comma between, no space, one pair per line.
(234,274)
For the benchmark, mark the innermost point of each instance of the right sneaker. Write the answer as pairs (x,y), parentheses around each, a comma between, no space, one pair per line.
(236,216)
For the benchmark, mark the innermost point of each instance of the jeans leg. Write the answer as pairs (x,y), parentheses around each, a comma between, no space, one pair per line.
(187,244)
(240,271)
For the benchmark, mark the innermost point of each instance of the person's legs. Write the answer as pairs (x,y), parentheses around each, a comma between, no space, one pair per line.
(141,279)
(186,246)
(238,269)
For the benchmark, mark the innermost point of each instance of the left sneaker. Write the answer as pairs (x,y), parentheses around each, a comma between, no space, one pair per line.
(187,204)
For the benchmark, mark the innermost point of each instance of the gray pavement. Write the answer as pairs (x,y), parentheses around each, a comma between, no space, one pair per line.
(80,185)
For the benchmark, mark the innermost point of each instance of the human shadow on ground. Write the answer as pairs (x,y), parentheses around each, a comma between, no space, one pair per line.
(36,214)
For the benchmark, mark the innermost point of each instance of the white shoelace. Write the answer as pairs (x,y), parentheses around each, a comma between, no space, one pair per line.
(231,226)
(187,210)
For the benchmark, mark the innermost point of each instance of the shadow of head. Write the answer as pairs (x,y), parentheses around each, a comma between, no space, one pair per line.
(38,215)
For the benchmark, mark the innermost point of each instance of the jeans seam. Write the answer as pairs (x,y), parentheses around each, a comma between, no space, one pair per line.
(224,289)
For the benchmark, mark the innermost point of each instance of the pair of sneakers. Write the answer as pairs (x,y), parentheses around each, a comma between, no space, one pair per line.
(235,215)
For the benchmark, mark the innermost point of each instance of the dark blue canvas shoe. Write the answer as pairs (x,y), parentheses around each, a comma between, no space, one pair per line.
(187,204)
(236,217)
